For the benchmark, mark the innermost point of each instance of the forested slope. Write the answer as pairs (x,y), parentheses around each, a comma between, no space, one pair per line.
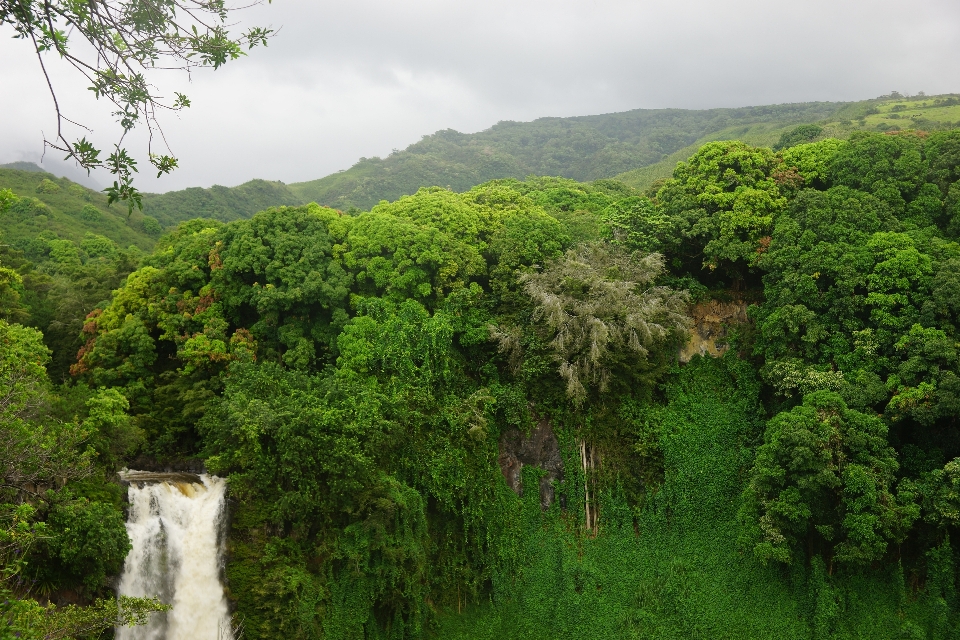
(582,148)
(379,386)
(638,147)
(219,203)
(69,251)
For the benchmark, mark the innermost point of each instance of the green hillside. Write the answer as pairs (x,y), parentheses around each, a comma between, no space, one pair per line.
(58,168)
(218,203)
(582,148)
(62,252)
(638,147)
(893,113)
(68,210)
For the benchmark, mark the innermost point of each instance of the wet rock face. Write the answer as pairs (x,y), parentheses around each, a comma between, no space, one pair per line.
(185,465)
(540,449)
(712,321)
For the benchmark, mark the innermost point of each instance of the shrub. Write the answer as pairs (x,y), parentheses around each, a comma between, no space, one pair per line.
(78,191)
(90,213)
(48,186)
(28,207)
(151,226)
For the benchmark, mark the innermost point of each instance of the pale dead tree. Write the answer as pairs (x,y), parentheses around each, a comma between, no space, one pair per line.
(600,307)
(509,341)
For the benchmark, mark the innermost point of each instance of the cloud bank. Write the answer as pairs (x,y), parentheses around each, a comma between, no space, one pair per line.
(348,80)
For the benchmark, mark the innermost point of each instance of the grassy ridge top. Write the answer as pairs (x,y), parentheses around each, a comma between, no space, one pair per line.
(892,113)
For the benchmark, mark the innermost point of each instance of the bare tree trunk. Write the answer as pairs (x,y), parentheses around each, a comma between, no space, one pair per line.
(595,464)
(586,483)
(589,461)
(593,489)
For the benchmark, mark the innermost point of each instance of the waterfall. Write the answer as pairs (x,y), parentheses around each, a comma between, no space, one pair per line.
(174,527)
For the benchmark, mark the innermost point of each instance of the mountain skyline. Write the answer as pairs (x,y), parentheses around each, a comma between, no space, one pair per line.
(343,82)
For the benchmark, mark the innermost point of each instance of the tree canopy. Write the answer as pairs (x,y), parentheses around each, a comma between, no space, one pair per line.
(474,402)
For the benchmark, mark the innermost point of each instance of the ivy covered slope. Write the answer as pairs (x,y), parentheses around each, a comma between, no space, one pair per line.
(462,415)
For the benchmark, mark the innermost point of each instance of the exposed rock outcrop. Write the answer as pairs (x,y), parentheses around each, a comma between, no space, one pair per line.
(540,449)
(186,465)
(712,321)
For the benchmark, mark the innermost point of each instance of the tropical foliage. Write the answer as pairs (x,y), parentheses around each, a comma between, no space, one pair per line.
(359,377)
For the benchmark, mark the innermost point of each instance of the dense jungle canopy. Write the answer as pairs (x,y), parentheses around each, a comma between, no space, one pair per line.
(359,376)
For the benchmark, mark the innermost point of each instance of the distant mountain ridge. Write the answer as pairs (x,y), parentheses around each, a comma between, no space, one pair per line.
(57,168)
(636,147)
(582,148)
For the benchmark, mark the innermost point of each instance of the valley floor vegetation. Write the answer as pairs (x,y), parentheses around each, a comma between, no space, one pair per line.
(356,377)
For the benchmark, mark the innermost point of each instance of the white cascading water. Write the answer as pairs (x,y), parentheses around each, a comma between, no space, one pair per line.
(174,526)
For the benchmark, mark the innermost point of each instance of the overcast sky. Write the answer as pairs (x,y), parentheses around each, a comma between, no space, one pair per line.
(344,80)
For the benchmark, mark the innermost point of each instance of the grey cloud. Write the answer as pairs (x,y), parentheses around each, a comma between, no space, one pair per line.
(344,80)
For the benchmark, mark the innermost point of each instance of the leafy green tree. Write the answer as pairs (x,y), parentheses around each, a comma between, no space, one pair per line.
(942,155)
(81,542)
(312,452)
(897,284)
(560,196)
(33,452)
(925,385)
(278,277)
(362,463)
(11,291)
(818,256)
(823,482)
(856,305)
(798,135)
(637,224)
(889,167)
(811,161)
(86,542)
(942,308)
(114,436)
(165,308)
(525,240)
(722,202)
(422,246)
(28,620)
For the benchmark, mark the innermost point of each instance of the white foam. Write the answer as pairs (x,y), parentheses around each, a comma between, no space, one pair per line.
(174,527)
